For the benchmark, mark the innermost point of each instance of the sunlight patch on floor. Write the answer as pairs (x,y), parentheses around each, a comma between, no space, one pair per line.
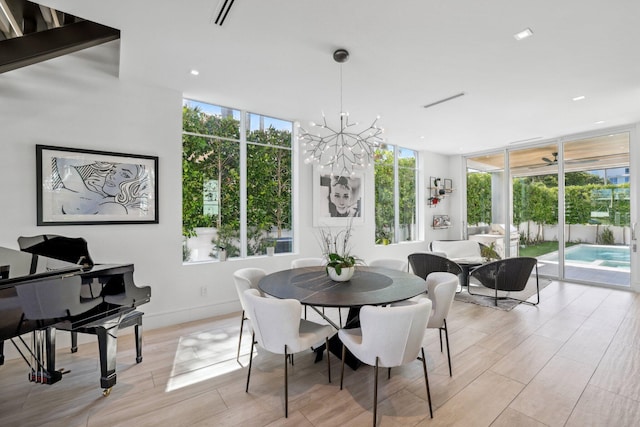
(204,355)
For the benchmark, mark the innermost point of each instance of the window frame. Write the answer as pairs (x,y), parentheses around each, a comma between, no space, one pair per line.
(243,143)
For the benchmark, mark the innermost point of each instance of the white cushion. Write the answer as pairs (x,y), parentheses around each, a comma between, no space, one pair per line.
(466,251)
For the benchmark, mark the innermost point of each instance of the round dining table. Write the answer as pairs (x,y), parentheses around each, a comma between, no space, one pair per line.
(368,286)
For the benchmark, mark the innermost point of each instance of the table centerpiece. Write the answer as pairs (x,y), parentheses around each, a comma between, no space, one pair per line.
(341,265)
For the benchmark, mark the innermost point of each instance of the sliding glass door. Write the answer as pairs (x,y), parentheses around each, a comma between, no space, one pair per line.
(597,210)
(566,203)
(534,204)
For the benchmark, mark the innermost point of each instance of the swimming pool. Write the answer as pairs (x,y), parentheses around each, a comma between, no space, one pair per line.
(617,257)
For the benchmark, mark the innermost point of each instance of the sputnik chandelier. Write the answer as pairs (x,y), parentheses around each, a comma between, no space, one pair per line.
(341,151)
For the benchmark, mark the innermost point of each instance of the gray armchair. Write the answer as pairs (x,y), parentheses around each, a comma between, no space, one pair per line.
(507,275)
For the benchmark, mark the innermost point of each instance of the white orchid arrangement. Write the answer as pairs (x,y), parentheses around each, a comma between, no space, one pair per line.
(336,248)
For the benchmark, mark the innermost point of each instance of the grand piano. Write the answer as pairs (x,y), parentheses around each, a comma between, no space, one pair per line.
(41,294)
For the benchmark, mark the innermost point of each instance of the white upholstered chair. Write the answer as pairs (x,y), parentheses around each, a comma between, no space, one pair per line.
(388,337)
(393,264)
(311,262)
(441,288)
(278,328)
(307,262)
(245,278)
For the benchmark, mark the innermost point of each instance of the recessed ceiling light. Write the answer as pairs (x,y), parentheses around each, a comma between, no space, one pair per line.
(195,72)
(523,34)
(579,98)
(599,122)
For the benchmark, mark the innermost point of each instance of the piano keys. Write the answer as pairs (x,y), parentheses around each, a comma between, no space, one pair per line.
(40,294)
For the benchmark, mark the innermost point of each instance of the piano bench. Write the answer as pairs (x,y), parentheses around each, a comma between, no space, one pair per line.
(134,318)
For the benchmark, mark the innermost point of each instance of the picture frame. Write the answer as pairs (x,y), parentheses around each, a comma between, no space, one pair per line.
(345,206)
(448,185)
(84,187)
(441,221)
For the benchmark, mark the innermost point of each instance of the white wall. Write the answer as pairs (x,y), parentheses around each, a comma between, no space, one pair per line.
(79,101)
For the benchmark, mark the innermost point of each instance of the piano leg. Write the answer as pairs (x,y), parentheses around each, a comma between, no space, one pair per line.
(138,335)
(50,345)
(1,352)
(108,345)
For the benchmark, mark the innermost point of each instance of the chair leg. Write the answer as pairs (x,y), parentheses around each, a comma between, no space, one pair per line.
(440,334)
(286,385)
(74,342)
(240,338)
(344,352)
(326,342)
(375,393)
(446,335)
(426,380)
(253,340)
(388,373)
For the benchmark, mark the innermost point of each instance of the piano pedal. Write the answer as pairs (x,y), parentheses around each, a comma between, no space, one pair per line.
(45,377)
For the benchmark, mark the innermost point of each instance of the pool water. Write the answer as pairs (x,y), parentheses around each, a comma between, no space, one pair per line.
(599,255)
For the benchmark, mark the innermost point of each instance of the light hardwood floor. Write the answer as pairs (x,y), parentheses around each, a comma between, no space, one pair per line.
(574,360)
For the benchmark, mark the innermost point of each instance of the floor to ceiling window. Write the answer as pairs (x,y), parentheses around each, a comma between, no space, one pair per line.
(568,203)
(534,205)
(486,200)
(597,209)
(396,177)
(236,183)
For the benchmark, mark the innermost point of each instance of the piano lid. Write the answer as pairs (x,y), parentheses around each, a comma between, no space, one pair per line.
(17,266)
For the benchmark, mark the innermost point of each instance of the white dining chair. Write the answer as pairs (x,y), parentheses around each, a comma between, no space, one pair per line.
(312,262)
(390,263)
(278,328)
(245,278)
(441,289)
(388,337)
(308,262)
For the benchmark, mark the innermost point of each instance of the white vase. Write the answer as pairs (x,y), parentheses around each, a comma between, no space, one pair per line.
(345,273)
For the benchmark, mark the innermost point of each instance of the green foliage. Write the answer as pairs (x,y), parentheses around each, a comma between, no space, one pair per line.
(384,189)
(488,252)
(383,175)
(214,154)
(605,237)
(535,199)
(338,262)
(478,198)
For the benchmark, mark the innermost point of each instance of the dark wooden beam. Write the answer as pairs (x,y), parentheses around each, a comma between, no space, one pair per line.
(41,46)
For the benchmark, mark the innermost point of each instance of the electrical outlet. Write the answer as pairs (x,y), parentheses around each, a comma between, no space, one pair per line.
(203,291)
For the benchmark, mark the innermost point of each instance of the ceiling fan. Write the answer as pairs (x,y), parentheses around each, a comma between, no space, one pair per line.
(548,161)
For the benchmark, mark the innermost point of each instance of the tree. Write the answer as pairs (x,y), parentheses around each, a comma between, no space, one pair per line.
(268,186)
(211,152)
(478,198)
(383,172)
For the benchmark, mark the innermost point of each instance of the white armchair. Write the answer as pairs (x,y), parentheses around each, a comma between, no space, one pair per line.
(441,288)
(245,278)
(388,337)
(278,328)
(393,264)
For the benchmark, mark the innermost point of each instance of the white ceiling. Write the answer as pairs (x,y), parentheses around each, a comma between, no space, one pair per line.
(275,58)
